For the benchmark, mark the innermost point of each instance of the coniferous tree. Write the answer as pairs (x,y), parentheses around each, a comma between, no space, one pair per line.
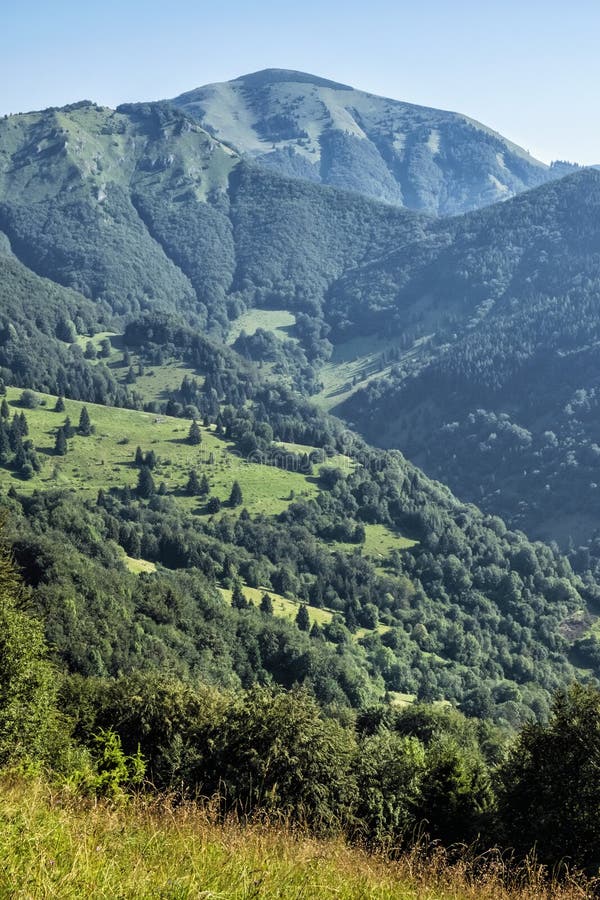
(130,377)
(59,406)
(4,444)
(302,618)
(266,604)
(145,485)
(235,497)
(213,505)
(139,457)
(204,485)
(60,446)
(238,599)
(68,428)
(193,485)
(4,409)
(194,435)
(85,425)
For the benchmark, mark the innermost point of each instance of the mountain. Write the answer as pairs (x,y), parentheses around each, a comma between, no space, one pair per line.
(138,236)
(300,125)
(140,208)
(494,387)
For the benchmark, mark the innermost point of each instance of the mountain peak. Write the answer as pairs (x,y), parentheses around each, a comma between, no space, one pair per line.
(309,127)
(288,76)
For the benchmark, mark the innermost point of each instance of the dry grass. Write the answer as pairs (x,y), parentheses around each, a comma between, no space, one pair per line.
(52,845)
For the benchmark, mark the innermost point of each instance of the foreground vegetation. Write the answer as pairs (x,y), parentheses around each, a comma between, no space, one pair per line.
(153,848)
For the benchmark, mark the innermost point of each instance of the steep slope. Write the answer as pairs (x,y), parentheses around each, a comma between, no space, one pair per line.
(499,397)
(307,127)
(140,208)
(39,326)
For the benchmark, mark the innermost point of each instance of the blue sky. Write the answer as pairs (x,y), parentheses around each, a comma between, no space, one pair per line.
(531,70)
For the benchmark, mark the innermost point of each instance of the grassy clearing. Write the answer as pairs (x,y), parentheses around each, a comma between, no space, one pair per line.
(353,364)
(279,321)
(96,339)
(105,459)
(282,607)
(379,543)
(159,382)
(137,566)
(56,847)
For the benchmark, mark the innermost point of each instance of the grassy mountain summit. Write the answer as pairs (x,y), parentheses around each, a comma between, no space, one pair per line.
(425,159)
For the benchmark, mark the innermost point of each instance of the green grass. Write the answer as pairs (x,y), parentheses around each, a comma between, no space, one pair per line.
(279,321)
(379,543)
(55,846)
(355,360)
(137,566)
(282,607)
(96,339)
(156,384)
(104,460)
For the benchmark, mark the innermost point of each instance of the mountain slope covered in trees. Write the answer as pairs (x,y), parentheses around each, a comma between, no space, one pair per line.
(307,127)
(495,386)
(142,209)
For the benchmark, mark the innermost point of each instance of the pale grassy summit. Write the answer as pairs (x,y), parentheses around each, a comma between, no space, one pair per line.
(309,127)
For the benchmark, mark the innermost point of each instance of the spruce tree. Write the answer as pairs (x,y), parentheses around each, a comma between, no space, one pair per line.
(145,486)
(4,409)
(85,425)
(235,497)
(266,604)
(238,600)
(68,428)
(194,435)
(4,443)
(213,505)
(302,618)
(60,446)
(193,486)
(139,457)
(59,406)
(204,485)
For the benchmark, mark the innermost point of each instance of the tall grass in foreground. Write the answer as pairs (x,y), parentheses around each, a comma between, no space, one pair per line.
(55,846)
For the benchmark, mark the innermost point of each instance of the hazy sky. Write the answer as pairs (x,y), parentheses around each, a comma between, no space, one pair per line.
(529,69)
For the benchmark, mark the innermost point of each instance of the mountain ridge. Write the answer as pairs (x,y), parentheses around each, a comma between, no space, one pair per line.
(427,159)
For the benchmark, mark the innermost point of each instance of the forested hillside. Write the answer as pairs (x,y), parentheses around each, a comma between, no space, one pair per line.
(493,388)
(317,130)
(213,588)
(141,209)
(404,589)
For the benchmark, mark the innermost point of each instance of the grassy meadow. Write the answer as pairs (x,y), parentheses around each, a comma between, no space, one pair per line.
(56,846)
